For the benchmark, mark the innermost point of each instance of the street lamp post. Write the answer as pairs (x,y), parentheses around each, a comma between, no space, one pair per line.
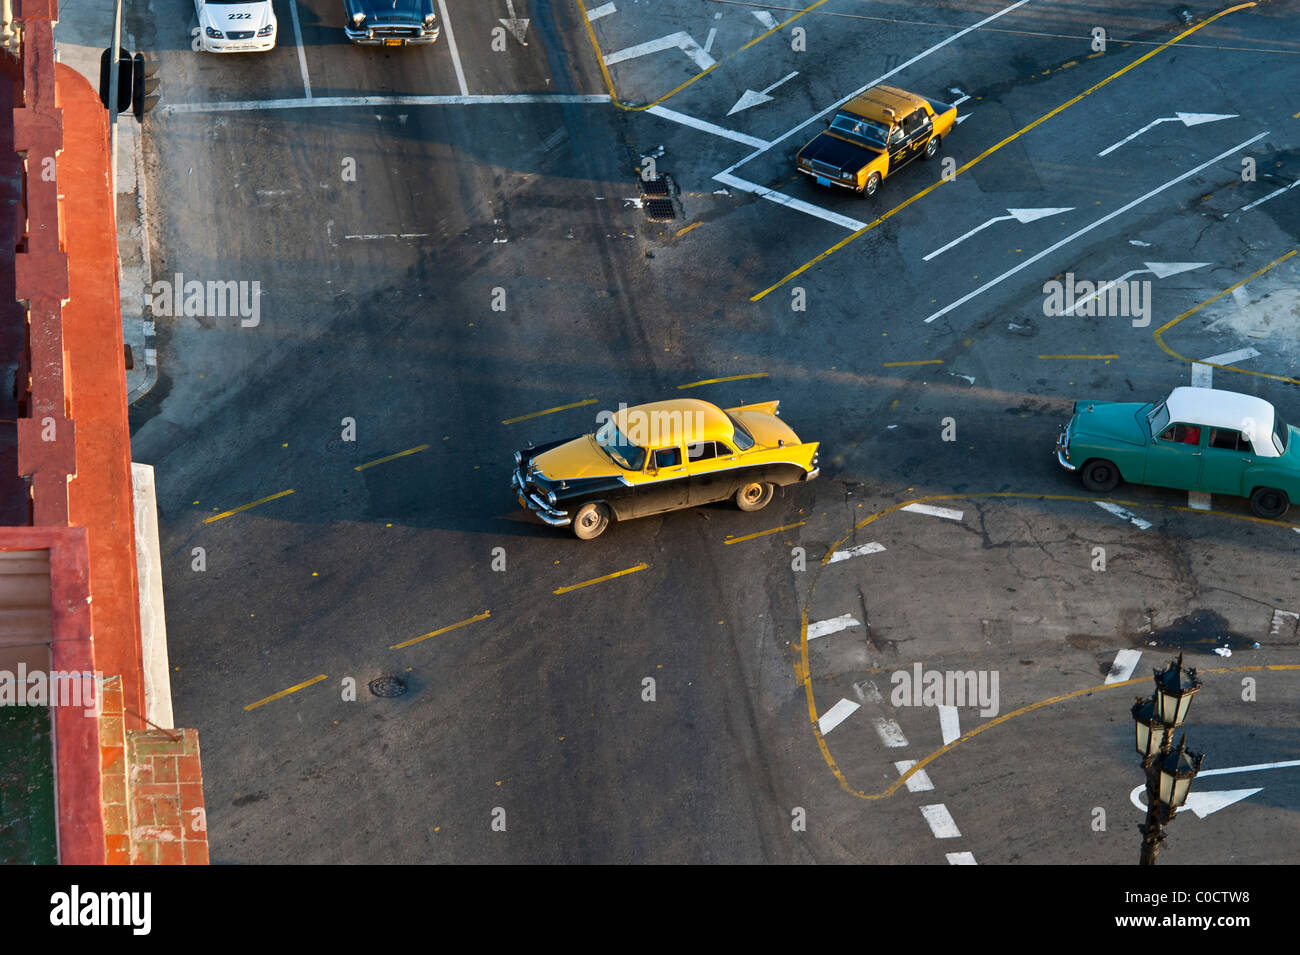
(1169,771)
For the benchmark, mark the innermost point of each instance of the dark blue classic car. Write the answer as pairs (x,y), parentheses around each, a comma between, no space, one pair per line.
(390,22)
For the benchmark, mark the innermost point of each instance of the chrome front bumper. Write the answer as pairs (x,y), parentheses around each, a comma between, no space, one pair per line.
(1063,450)
(531,502)
(366,36)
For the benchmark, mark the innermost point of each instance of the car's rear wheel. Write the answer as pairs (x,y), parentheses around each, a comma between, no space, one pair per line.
(932,147)
(754,496)
(1099,475)
(872,185)
(590,521)
(1269,502)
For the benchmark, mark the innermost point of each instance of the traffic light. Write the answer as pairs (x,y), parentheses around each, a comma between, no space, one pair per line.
(144,86)
(123,79)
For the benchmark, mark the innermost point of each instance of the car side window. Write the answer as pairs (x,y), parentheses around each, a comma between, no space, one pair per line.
(724,449)
(895,135)
(914,123)
(1228,440)
(668,457)
(1181,434)
(701,451)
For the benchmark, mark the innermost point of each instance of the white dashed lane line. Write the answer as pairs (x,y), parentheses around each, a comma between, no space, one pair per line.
(856,551)
(890,733)
(824,628)
(960,858)
(919,781)
(949,724)
(941,822)
(836,715)
(604,10)
(1123,666)
(1123,514)
(934,511)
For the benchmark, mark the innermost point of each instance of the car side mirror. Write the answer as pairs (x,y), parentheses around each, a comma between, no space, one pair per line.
(826,123)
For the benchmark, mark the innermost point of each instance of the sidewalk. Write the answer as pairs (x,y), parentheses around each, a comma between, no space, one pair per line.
(84,30)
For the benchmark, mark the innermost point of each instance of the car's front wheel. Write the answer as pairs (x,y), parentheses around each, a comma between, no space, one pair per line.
(932,147)
(871,186)
(754,496)
(590,521)
(1269,502)
(1099,475)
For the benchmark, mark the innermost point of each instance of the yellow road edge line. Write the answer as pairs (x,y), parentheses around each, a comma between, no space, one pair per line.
(245,507)
(1081,357)
(994,148)
(609,82)
(681,232)
(904,364)
(714,381)
(475,619)
(1159,333)
(774,530)
(391,457)
(598,580)
(538,414)
(282,693)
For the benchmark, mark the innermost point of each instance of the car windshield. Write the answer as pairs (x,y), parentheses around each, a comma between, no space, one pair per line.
(744,440)
(1281,433)
(620,450)
(1158,417)
(860,128)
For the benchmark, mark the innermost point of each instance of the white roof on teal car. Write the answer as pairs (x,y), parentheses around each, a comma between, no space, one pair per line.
(1225,409)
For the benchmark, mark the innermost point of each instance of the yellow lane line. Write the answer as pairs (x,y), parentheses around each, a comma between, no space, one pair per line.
(714,381)
(406,643)
(904,364)
(1159,333)
(681,232)
(245,507)
(1080,357)
(282,693)
(774,530)
(598,580)
(391,457)
(538,414)
(992,149)
(609,83)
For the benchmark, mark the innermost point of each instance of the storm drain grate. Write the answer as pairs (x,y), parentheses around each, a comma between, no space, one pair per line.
(659,186)
(387,686)
(660,210)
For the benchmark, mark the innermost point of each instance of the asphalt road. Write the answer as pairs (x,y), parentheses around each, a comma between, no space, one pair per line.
(382,235)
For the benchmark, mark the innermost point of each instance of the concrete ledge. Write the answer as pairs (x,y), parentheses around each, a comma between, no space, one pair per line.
(153,621)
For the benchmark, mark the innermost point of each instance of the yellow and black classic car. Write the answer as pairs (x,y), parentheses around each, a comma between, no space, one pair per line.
(873,136)
(660,457)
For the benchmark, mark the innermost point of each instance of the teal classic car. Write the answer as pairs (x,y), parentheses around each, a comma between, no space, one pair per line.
(1196,439)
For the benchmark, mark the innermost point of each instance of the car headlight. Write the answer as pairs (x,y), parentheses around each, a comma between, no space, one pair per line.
(428,20)
(266,30)
(846,175)
(519,458)
(358,18)
(550,498)
(215,34)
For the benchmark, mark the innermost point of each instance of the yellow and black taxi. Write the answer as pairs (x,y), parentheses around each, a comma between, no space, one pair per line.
(664,456)
(873,136)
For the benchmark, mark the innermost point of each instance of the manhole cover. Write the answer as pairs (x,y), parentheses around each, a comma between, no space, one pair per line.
(660,209)
(387,686)
(659,186)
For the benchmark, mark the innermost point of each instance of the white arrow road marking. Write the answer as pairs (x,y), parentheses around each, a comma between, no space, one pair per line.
(856,551)
(604,10)
(1187,119)
(1160,270)
(754,98)
(1278,616)
(1272,195)
(1204,803)
(890,733)
(836,715)
(1132,204)
(934,511)
(949,724)
(704,126)
(1123,666)
(1020,215)
(1227,770)
(961,119)
(680,40)
(1203,372)
(1123,514)
(960,858)
(823,628)
(941,823)
(517,27)
(919,781)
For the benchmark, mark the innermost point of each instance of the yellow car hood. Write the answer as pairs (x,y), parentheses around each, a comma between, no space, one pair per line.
(579,458)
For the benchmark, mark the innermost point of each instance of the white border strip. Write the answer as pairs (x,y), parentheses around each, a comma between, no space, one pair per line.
(704,126)
(857,550)
(1122,668)
(302,53)
(836,715)
(451,44)
(934,511)
(430,100)
(824,628)
(780,198)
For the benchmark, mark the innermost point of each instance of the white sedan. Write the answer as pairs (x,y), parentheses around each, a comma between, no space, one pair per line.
(235,26)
